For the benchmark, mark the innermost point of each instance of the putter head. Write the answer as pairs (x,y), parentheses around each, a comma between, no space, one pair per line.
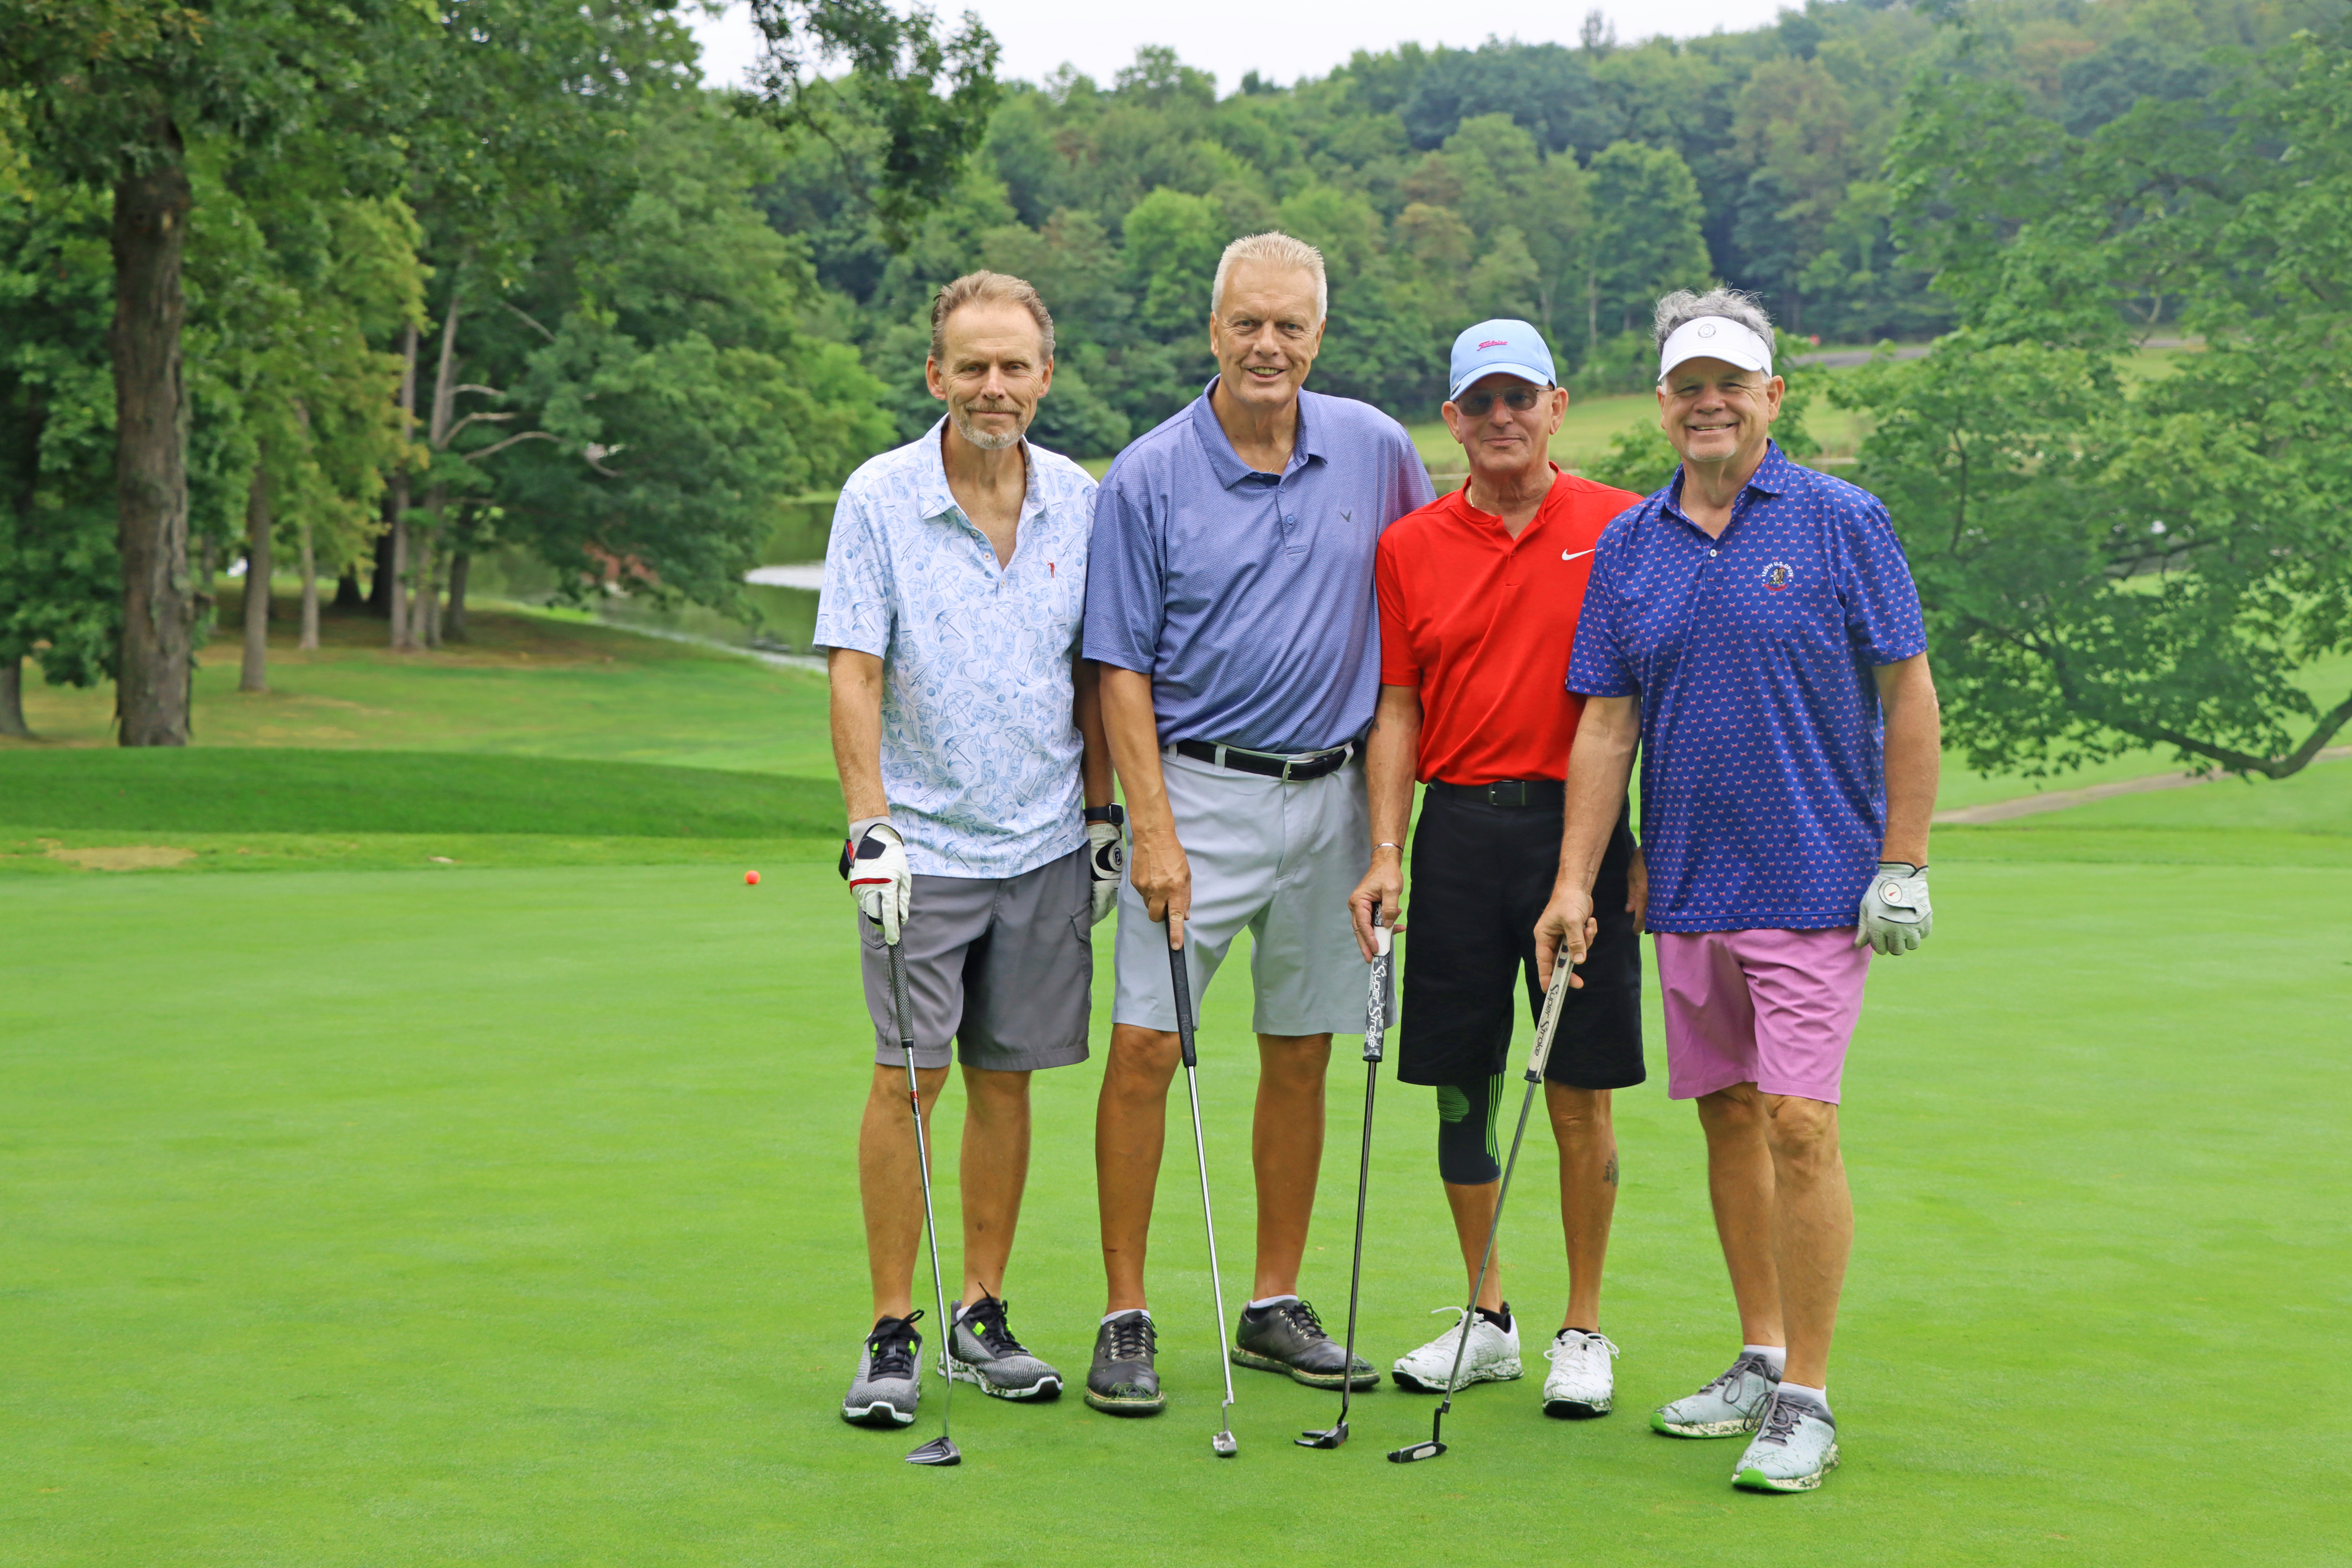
(1328,1439)
(1419,1451)
(1222,1442)
(938,1451)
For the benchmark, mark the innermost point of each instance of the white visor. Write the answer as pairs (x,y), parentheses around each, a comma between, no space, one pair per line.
(1715,337)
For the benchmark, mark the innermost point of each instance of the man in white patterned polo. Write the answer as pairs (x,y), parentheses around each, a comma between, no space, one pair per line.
(967,739)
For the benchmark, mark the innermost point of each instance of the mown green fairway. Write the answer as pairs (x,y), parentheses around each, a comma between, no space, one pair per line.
(507,1217)
(470,1182)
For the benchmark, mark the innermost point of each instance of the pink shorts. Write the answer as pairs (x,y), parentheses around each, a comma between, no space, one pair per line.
(1773,1008)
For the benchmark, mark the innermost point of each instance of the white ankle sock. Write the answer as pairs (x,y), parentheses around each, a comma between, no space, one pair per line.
(1820,1397)
(1125,1310)
(1271,1301)
(1776,1354)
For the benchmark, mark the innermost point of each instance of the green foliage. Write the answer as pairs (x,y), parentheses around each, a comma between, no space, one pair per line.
(2107,562)
(59,599)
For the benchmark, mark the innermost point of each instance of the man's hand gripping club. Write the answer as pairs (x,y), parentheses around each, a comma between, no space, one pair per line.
(874,864)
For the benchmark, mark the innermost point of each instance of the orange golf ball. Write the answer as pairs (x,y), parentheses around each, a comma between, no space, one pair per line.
(751,879)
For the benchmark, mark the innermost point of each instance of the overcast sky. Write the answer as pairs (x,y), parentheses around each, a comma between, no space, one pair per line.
(1281,42)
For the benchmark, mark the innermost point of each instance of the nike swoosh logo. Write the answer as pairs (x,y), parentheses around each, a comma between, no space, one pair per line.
(1580,555)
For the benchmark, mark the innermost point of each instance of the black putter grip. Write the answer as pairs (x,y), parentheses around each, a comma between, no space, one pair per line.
(1183,984)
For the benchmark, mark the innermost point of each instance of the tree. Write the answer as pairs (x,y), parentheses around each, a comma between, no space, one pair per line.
(59,580)
(1646,239)
(114,92)
(2107,562)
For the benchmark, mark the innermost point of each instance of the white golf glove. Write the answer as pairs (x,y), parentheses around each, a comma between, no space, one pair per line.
(1895,916)
(1106,861)
(874,864)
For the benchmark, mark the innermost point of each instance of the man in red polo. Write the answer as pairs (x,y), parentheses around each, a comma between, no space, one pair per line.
(1478,597)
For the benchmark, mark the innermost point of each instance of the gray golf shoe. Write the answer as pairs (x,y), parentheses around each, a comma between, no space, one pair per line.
(1731,1406)
(982,1350)
(886,1390)
(1122,1380)
(1289,1337)
(1796,1447)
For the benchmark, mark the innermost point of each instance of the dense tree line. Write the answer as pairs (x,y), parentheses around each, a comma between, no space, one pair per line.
(367,289)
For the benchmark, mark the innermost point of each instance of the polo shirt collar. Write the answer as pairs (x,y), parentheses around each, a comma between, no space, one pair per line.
(1227,463)
(1773,477)
(933,497)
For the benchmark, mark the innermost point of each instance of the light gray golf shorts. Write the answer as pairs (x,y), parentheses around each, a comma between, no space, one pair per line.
(1003,966)
(1279,858)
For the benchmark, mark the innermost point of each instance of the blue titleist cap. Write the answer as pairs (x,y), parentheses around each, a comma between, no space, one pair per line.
(1513,348)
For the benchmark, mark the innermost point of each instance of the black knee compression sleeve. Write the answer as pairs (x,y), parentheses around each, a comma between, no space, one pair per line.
(1466,1152)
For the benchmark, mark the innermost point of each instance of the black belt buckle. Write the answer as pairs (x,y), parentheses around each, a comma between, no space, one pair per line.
(1507,791)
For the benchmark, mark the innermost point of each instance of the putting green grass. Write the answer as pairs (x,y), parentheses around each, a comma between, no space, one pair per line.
(508,1217)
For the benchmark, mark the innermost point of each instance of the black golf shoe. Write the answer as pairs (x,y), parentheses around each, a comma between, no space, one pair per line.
(1287,1336)
(1122,1380)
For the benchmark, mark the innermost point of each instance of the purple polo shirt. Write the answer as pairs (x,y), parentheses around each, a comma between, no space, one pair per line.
(1763,763)
(1247,596)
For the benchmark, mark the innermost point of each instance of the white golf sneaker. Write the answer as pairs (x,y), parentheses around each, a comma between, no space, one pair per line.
(1796,1447)
(1581,1383)
(1491,1356)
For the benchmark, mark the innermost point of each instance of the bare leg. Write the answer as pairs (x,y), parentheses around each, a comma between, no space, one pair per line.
(1739,1179)
(1581,1124)
(890,1183)
(1473,1214)
(1286,1151)
(1130,1129)
(1812,1228)
(996,1165)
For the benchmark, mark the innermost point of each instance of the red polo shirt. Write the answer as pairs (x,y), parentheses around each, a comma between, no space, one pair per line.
(1483,623)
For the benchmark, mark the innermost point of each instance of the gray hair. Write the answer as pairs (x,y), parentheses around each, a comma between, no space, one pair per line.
(988,289)
(1276,249)
(1684,306)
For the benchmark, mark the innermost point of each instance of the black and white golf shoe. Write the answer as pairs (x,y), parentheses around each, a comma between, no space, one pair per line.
(982,1350)
(1287,1336)
(1123,1380)
(886,1390)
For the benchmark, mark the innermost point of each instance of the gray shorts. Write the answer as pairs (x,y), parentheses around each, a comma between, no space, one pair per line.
(1003,967)
(1279,858)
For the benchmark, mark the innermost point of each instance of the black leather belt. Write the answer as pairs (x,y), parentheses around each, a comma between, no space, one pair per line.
(1546,794)
(1268,765)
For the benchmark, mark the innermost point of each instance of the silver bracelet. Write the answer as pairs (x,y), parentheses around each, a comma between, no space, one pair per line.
(1385,845)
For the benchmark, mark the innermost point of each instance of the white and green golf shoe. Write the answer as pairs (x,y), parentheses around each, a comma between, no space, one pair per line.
(1731,1406)
(1796,1447)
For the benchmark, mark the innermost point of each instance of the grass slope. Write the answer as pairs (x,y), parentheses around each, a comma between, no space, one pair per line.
(527,685)
(297,791)
(510,1217)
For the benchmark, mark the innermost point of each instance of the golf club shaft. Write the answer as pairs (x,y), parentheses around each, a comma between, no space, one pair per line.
(923,1163)
(1376,1019)
(1537,1054)
(1181,980)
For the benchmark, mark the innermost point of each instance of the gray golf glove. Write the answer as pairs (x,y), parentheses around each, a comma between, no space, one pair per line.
(1895,916)
(874,864)
(1106,857)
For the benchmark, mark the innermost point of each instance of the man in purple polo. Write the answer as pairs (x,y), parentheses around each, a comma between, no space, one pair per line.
(1229,602)
(1754,629)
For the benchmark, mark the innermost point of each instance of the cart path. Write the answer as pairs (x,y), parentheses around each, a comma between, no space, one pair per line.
(2058,800)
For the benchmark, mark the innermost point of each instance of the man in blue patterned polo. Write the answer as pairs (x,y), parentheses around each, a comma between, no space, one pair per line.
(1752,628)
(982,836)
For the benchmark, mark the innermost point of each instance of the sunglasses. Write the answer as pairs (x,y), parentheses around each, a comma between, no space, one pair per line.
(1518,400)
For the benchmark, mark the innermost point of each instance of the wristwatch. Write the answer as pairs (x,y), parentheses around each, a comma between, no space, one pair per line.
(1113,813)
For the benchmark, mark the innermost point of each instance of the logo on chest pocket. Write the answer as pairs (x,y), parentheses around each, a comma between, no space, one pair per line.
(1778,575)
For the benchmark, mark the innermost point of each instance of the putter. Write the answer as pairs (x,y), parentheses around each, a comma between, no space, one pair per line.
(942,1449)
(1376,1023)
(1223,1441)
(1537,1055)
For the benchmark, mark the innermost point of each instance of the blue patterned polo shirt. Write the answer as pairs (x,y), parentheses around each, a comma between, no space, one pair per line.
(1763,764)
(979,744)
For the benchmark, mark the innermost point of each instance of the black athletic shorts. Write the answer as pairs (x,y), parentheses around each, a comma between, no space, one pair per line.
(1481,877)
